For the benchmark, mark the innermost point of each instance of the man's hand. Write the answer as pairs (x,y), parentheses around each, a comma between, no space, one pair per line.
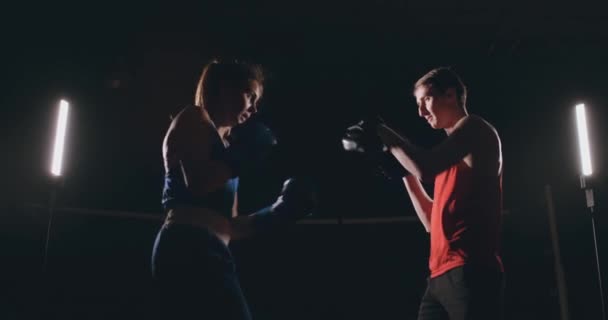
(388,136)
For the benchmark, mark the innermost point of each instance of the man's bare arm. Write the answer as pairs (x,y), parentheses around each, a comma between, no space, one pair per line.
(423,204)
(425,164)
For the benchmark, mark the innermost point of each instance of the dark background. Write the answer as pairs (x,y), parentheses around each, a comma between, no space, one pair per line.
(126,68)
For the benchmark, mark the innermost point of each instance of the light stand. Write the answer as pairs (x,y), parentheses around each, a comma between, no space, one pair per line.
(56,171)
(586,172)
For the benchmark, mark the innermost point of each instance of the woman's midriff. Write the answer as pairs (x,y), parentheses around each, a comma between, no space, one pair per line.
(203,218)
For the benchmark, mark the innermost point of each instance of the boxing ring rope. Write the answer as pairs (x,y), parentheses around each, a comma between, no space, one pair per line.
(160,217)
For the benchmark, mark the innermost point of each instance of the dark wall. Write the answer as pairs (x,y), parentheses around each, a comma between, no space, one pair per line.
(127,68)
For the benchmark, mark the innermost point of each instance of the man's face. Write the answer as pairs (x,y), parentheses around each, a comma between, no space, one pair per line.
(435,107)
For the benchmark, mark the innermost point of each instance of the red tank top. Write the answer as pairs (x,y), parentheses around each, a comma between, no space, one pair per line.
(465,220)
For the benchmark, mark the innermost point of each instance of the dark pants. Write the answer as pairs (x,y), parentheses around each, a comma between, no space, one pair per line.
(464,293)
(196,276)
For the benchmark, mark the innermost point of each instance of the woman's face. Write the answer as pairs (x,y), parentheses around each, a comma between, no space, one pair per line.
(241,103)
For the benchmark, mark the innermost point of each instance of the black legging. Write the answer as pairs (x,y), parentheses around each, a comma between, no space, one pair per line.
(196,275)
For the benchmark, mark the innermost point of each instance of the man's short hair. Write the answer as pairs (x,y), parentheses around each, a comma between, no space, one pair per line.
(440,80)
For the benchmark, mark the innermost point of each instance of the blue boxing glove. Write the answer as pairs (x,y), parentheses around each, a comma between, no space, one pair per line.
(251,143)
(297,200)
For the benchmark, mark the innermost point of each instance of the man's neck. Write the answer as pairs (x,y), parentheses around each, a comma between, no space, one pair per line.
(458,118)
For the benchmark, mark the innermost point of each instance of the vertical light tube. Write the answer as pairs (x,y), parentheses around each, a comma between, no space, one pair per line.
(583,140)
(60,133)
